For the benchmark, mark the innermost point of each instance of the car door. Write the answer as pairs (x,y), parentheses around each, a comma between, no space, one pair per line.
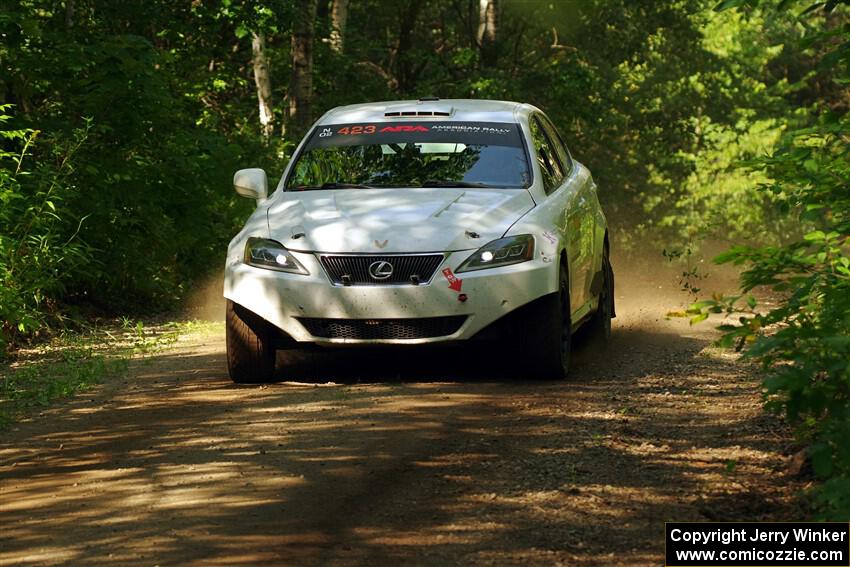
(563,208)
(582,219)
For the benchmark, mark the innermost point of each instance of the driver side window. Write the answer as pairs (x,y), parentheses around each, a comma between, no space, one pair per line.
(547,158)
(558,144)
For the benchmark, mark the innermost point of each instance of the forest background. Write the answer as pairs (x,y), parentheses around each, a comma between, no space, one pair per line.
(708,127)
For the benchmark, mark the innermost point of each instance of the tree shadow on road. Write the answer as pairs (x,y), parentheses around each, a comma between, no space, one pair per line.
(438,464)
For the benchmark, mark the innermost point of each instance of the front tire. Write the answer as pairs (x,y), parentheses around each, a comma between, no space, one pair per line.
(250,346)
(546,337)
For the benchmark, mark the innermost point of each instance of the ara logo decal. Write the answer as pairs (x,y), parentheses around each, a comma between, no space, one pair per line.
(454,282)
(380,244)
(405,128)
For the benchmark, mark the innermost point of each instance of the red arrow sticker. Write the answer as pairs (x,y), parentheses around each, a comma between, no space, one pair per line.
(454,282)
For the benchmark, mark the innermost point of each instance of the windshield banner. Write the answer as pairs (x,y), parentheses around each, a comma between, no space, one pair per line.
(468,133)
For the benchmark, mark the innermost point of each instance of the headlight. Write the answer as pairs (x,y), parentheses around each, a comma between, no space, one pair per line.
(265,253)
(502,252)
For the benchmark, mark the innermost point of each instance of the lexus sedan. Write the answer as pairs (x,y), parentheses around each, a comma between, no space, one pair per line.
(424,221)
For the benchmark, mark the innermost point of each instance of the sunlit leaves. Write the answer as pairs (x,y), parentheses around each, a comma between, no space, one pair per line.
(804,342)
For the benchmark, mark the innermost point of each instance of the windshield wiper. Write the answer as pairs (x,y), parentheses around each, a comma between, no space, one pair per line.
(451,183)
(333,185)
(337,185)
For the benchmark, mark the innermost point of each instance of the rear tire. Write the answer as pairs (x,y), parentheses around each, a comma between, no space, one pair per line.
(546,336)
(600,322)
(250,346)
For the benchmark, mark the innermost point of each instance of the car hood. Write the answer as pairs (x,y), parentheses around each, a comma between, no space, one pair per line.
(394,220)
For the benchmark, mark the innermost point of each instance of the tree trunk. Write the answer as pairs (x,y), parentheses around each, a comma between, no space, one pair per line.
(401,59)
(301,81)
(323,10)
(263,80)
(339,16)
(487,26)
(69,14)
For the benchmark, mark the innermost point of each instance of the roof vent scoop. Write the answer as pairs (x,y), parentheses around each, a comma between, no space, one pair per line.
(428,110)
(429,99)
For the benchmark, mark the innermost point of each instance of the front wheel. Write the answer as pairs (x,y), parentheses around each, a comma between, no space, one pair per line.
(546,337)
(250,346)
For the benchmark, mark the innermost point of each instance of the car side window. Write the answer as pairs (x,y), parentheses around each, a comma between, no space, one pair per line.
(558,142)
(550,166)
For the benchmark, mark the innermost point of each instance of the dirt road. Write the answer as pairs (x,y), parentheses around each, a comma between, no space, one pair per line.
(416,458)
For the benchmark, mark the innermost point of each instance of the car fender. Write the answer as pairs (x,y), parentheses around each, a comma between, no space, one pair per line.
(256,225)
(549,243)
(549,223)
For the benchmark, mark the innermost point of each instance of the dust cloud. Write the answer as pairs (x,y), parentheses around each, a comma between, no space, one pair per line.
(649,286)
(206,302)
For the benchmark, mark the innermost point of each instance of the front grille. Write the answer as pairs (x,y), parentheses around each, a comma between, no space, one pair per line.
(423,328)
(406,269)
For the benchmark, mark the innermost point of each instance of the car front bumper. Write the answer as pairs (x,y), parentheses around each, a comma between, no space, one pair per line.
(287,300)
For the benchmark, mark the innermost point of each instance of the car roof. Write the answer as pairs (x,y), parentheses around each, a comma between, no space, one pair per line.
(464,110)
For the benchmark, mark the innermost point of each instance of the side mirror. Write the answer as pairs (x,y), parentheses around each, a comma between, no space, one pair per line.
(251,183)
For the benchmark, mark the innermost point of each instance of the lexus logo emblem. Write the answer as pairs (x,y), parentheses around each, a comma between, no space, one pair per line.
(380,270)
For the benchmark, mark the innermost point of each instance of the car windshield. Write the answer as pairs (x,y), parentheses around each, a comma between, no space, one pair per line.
(441,154)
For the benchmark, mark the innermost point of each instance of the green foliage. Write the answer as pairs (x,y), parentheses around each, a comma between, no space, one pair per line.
(691,276)
(164,94)
(75,361)
(130,117)
(660,100)
(125,201)
(39,245)
(37,385)
(803,343)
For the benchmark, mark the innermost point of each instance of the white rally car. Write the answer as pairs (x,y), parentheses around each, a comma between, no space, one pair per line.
(418,222)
